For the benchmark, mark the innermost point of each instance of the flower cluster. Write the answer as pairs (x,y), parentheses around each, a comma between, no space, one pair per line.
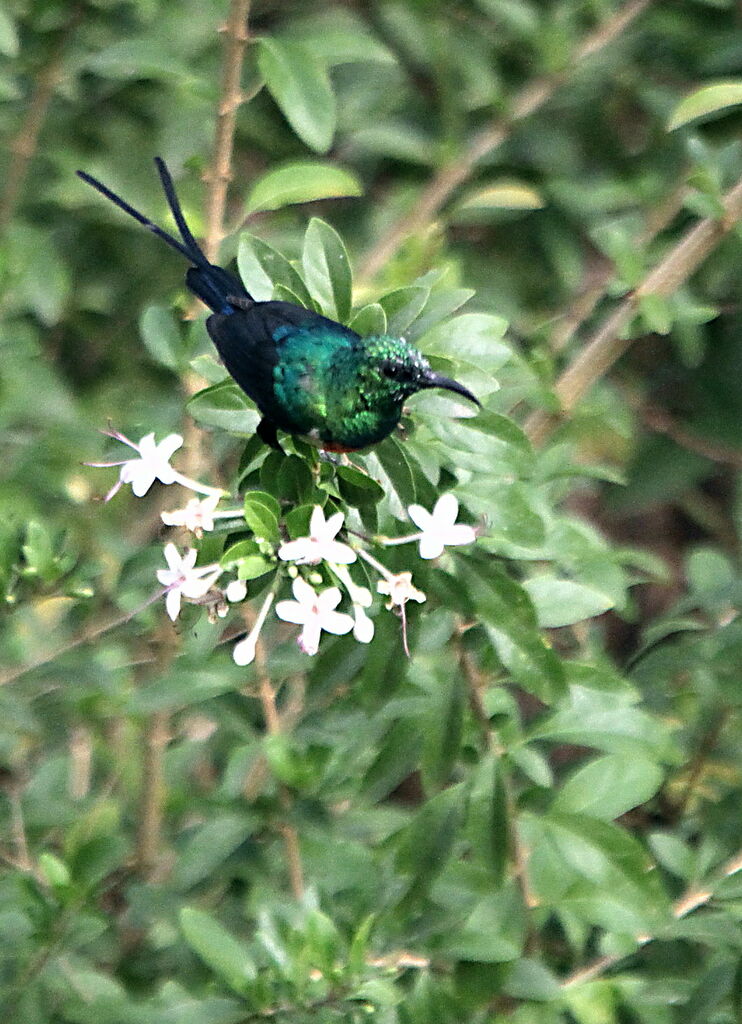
(319,554)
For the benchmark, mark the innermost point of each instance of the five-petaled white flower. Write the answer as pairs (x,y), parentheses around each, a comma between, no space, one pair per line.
(439,529)
(197,516)
(320,545)
(152,464)
(399,590)
(314,612)
(182,579)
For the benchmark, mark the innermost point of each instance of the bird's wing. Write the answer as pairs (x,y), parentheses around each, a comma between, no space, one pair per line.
(250,342)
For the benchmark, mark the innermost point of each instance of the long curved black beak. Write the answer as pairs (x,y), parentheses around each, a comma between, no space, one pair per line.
(437,380)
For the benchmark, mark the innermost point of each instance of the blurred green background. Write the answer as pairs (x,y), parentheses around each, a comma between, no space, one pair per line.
(366,105)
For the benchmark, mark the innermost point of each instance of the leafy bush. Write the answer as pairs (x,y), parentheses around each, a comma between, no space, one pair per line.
(535,816)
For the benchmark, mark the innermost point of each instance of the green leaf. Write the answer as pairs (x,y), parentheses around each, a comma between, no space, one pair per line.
(508,614)
(369,321)
(8,35)
(502,195)
(55,871)
(563,602)
(473,337)
(218,949)
(402,306)
(262,514)
(327,269)
(609,786)
(161,336)
(655,312)
(426,843)
(494,932)
(225,405)
(357,487)
(209,846)
(706,102)
(264,268)
(607,721)
(302,182)
(301,87)
(139,58)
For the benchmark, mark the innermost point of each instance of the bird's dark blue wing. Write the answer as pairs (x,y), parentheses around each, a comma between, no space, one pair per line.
(250,341)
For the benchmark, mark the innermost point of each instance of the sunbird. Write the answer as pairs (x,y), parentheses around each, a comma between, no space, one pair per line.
(307,374)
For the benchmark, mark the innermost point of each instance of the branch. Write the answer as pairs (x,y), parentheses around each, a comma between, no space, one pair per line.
(220,173)
(692,899)
(607,346)
(23,146)
(597,279)
(149,831)
(451,175)
(257,775)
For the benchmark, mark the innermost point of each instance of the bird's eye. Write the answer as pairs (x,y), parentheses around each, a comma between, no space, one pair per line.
(395,371)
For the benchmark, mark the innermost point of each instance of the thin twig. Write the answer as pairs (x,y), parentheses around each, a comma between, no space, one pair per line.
(23,146)
(607,345)
(149,831)
(476,686)
(85,637)
(273,725)
(455,173)
(230,98)
(692,899)
(661,422)
(597,279)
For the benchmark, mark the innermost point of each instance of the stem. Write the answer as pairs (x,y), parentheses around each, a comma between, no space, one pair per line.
(476,685)
(273,724)
(23,146)
(606,346)
(455,172)
(156,736)
(220,173)
(86,637)
(692,899)
(597,279)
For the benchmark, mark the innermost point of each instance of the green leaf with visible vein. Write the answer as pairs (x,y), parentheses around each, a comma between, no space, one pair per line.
(301,87)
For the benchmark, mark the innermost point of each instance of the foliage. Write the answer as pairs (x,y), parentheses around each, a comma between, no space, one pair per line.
(534,818)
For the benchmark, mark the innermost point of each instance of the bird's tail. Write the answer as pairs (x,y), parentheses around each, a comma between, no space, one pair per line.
(212,284)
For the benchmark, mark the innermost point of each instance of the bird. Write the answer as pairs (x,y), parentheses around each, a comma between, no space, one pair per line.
(308,375)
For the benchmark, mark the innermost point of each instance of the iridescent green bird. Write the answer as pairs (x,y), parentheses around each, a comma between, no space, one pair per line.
(307,375)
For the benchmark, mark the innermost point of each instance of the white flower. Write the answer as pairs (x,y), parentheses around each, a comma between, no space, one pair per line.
(244,651)
(399,590)
(440,529)
(181,579)
(197,516)
(320,545)
(314,612)
(236,591)
(153,464)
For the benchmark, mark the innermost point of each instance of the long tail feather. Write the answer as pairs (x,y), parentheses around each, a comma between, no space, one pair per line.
(211,283)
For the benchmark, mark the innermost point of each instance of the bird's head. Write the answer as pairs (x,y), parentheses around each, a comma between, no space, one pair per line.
(396,370)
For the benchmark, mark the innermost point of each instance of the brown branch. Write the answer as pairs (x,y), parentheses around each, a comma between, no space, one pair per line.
(259,771)
(220,173)
(23,146)
(149,832)
(597,279)
(455,173)
(692,899)
(606,346)
(661,422)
